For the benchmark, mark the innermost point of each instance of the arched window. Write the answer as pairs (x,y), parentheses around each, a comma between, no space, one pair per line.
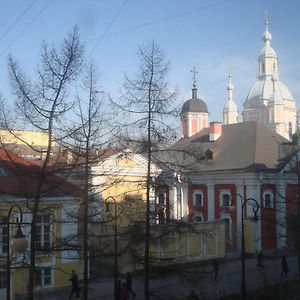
(197,198)
(290,129)
(225,198)
(268,199)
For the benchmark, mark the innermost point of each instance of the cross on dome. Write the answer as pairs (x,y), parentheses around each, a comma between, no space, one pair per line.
(194,71)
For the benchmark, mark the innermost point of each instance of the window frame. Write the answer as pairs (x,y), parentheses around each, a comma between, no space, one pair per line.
(270,201)
(225,193)
(195,193)
(43,242)
(41,270)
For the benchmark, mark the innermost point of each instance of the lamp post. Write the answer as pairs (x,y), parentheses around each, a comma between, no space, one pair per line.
(255,209)
(115,246)
(19,243)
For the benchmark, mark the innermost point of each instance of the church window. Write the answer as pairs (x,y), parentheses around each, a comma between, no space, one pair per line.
(263,68)
(198,218)
(197,198)
(290,130)
(268,199)
(225,198)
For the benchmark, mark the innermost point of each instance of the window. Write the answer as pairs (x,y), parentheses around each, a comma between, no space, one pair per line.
(198,198)
(209,154)
(43,277)
(3,235)
(227,228)
(290,129)
(198,219)
(2,171)
(43,232)
(268,199)
(225,199)
(2,280)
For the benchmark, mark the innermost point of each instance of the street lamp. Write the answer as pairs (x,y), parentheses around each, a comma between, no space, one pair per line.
(18,243)
(115,246)
(255,209)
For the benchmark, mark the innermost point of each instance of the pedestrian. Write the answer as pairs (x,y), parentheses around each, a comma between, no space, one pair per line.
(192,296)
(260,259)
(119,289)
(124,293)
(129,284)
(75,284)
(284,267)
(216,268)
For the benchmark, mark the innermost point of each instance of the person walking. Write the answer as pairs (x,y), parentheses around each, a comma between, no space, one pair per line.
(216,269)
(75,284)
(124,293)
(129,284)
(284,267)
(260,259)
(192,296)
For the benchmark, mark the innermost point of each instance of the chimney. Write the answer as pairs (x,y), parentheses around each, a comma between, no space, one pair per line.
(215,131)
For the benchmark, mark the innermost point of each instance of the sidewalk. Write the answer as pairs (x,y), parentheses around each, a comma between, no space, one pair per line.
(199,279)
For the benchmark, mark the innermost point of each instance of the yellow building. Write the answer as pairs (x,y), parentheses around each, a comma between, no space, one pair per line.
(56,227)
(119,183)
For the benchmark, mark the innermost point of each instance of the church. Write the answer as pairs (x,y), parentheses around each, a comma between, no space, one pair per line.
(227,172)
(269,101)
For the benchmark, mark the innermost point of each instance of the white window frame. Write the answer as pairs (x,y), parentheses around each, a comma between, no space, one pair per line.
(42,284)
(222,194)
(195,193)
(3,235)
(268,192)
(44,243)
(198,215)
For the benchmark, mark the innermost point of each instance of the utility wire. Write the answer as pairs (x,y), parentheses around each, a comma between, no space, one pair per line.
(26,27)
(17,20)
(166,18)
(104,35)
(108,27)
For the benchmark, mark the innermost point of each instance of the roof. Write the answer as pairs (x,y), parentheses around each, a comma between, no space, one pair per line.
(247,145)
(20,177)
(264,89)
(194,105)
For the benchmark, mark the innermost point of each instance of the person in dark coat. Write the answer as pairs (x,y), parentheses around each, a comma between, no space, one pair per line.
(75,284)
(124,293)
(284,267)
(260,259)
(119,289)
(216,268)
(129,284)
(192,296)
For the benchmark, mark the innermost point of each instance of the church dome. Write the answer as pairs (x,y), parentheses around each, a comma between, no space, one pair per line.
(264,89)
(194,105)
(230,106)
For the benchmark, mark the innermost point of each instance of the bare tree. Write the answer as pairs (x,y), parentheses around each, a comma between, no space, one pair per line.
(42,105)
(92,134)
(149,106)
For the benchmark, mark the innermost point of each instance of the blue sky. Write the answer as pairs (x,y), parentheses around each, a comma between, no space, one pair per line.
(212,35)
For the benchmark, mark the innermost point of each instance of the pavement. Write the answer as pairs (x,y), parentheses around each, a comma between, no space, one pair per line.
(198,278)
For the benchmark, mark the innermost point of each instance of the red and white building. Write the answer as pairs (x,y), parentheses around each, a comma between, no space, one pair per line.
(215,168)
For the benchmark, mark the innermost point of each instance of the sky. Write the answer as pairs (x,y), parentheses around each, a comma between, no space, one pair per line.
(215,36)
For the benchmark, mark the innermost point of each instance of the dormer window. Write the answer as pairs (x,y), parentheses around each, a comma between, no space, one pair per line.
(268,199)
(198,198)
(208,154)
(2,171)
